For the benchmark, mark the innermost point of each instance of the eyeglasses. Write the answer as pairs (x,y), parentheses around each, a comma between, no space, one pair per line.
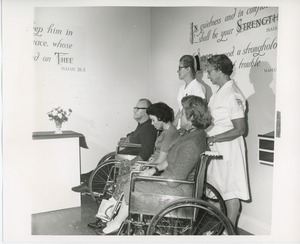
(181,67)
(137,108)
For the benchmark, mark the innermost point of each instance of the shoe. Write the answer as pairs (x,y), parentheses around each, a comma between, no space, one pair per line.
(111,228)
(101,233)
(97,225)
(83,187)
(85,177)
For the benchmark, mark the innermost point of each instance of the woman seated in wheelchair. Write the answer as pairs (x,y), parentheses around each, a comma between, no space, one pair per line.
(180,160)
(162,117)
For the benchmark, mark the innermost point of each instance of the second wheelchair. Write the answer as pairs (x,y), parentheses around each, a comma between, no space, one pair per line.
(204,214)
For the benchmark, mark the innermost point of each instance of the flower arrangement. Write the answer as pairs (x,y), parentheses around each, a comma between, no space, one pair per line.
(59,115)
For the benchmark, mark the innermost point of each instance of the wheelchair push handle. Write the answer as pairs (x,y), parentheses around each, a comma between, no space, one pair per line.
(211,153)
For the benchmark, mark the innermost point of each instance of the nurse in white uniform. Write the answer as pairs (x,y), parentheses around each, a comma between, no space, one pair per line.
(229,174)
(186,72)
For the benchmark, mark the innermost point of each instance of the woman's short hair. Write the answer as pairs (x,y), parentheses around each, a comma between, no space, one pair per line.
(196,110)
(188,61)
(221,62)
(162,111)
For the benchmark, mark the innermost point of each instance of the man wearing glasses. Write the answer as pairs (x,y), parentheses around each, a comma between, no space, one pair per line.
(144,134)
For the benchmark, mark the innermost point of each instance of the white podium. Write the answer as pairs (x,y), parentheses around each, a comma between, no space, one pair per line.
(57,170)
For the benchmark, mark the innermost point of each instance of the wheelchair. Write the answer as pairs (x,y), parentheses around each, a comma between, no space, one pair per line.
(102,181)
(202,214)
(103,178)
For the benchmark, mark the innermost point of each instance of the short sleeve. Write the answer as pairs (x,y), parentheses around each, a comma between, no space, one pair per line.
(170,138)
(236,106)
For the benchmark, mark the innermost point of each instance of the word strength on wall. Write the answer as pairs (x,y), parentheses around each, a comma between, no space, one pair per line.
(214,28)
(246,35)
(58,46)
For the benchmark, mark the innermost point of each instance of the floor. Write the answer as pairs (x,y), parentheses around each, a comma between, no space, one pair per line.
(71,221)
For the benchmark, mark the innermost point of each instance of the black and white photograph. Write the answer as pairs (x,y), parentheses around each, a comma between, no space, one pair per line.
(134,121)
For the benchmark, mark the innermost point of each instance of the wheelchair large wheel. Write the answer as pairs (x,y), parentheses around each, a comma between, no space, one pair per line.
(190,216)
(103,179)
(107,157)
(212,196)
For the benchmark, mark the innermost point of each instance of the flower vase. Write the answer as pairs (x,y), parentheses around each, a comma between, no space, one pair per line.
(58,125)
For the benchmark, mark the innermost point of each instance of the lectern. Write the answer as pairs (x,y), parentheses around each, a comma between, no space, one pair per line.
(56,167)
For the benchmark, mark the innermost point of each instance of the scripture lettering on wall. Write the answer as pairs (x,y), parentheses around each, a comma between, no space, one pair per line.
(235,33)
(57,46)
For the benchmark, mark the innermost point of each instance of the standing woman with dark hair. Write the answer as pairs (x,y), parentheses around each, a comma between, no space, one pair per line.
(186,72)
(227,106)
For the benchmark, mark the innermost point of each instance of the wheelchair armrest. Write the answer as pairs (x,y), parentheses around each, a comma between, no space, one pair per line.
(142,162)
(148,166)
(158,179)
(128,144)
(134,176)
